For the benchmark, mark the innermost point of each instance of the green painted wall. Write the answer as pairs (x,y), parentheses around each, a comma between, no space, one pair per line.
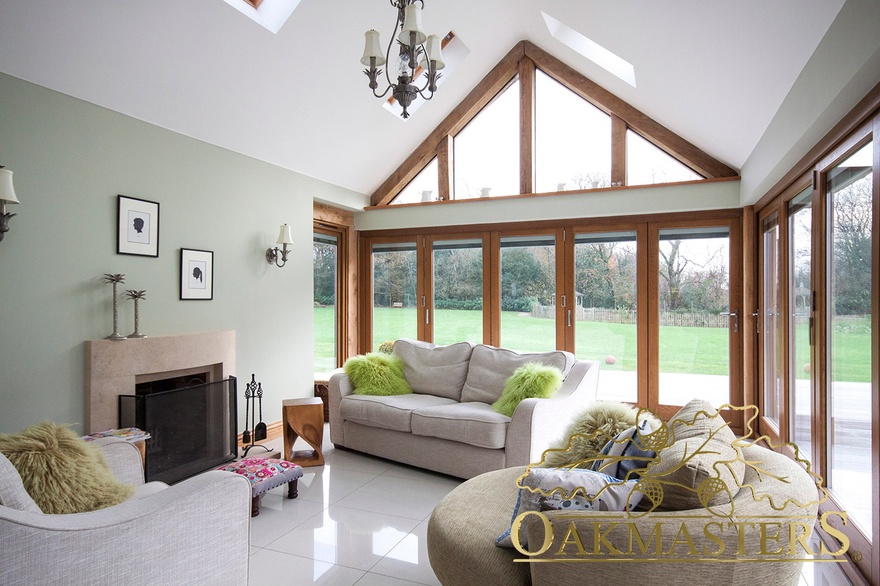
(70,160)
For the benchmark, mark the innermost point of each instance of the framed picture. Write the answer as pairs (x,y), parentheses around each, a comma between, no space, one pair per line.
(196,274)
(138,226)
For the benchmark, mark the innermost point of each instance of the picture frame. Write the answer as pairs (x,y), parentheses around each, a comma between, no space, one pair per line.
(196,274)
(137,230)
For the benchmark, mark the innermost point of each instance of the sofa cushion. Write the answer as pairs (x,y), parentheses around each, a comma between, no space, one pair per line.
(473,423)
(377,374)
(435,370)
(699,467)
(387,412)
(531,380)
(490,368)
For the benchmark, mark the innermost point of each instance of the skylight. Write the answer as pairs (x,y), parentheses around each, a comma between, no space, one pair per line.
(591,50)
(270,14)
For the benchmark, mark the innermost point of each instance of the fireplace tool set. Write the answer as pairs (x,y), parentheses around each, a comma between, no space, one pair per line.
(253,400)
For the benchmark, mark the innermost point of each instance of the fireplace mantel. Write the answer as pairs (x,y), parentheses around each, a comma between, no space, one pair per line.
(113,367)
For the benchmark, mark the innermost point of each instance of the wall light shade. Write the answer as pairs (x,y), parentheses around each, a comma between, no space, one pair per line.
(276,255)
(285,236)
(7,192)
(7,195)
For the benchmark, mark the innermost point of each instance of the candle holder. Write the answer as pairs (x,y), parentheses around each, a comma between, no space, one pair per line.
(115,279)
(136,296)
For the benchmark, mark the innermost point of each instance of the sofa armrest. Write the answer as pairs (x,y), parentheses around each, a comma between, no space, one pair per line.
(537,423)
(340,386)
(195,532)
(123,459)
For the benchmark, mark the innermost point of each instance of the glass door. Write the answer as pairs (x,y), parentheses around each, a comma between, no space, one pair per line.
(695,316)
(800,322)
(528,293)
(457,290)
(849,199)
(325,269)
(770,325)
(605,310)
(395,303)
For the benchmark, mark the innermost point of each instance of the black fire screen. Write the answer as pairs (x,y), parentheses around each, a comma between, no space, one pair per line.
(193,429)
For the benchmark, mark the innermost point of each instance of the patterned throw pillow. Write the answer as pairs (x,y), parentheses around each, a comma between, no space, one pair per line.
(575,489)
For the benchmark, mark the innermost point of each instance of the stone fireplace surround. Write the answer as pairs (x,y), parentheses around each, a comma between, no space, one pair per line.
(113,368)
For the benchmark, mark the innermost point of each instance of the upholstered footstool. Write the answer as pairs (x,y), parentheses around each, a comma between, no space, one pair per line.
(463,528)
(264,474)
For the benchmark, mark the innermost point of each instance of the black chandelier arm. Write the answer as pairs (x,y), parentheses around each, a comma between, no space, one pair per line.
(383,94)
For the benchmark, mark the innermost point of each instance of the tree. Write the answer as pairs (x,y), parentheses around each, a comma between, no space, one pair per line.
(851,235)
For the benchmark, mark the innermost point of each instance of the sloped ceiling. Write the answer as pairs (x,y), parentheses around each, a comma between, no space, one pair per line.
(713,71)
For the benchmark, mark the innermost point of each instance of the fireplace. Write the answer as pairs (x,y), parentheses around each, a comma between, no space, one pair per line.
(115,368)
(192,427)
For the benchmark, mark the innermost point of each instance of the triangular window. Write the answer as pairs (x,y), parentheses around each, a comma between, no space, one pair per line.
(646,164)
(422,188)
(572,139)
(487,149)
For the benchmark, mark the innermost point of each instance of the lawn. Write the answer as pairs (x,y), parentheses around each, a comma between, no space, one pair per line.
(682,349)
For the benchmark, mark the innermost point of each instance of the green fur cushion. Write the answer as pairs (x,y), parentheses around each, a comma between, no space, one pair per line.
(377,373)
(61,472)
(589,433)
(529,380)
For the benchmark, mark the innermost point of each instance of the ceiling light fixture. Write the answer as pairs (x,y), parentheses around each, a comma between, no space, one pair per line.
(416,51)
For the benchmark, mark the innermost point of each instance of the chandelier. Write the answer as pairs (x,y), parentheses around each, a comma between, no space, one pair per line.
(417,53)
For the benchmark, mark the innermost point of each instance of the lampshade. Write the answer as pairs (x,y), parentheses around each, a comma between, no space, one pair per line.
(412,22)
(285,237)
(7,192)
(372,48)
(432,53)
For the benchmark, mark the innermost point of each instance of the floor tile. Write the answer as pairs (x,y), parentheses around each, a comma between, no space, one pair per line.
(278,515)
(414,499)
(328,484)
(409,559)
(277,569)
(348,537)
(356,461)
(371,579)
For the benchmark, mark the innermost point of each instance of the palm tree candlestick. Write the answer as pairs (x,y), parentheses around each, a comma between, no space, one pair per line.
(136,296)
(115,279)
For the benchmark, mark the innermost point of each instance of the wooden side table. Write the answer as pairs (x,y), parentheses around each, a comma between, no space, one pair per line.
(303,418)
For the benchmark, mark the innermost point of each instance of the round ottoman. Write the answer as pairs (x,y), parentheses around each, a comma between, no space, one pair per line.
(264,474)
(463,528)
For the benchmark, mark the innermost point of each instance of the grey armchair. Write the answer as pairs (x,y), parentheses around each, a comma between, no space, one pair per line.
(195,532)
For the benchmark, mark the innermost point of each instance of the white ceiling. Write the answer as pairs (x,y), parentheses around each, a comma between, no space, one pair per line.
(713,71)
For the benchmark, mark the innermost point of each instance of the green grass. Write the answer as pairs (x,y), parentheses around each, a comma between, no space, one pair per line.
(682,349)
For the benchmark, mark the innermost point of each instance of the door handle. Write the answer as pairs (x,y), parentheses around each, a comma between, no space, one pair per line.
(735,316)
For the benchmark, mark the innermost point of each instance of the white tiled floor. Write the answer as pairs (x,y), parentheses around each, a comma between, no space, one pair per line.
(362,520)
(357,520)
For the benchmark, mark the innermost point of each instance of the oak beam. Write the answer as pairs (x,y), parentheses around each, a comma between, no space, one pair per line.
(526,126)
(618,150)
(445,166)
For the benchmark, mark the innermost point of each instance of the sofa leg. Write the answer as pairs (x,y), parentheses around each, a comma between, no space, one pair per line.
(292,489)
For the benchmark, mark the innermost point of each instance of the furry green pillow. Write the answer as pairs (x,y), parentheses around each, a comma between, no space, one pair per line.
(589,432)
(377,373)
(61,472)
(529,380)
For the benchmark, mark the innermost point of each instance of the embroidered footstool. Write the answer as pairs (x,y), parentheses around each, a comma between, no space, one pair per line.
(265,474)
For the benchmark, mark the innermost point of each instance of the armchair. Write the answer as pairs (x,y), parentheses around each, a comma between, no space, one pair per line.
(195,532)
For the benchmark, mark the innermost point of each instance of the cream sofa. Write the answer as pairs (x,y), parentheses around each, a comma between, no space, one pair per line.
(447,424)
(195,532)
(755,535)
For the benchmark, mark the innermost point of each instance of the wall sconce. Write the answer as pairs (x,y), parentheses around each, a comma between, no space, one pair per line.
(273,254)
(7,195)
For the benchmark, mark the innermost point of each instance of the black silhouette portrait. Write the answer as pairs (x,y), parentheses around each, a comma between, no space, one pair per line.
(139,225)
(197,275)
